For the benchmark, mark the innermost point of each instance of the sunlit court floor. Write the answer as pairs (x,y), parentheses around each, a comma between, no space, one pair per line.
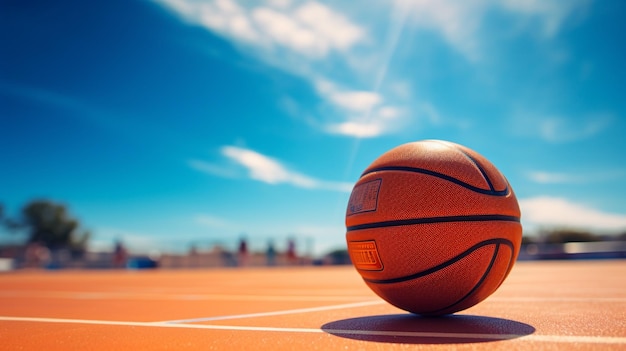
(550,305)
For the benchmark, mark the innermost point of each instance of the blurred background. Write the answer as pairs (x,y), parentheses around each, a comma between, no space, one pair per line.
(197,133)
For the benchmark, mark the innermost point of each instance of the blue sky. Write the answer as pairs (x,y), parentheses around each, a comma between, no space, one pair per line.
(176,121)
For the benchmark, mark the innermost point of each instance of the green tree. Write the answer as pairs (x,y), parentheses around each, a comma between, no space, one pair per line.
(50,224)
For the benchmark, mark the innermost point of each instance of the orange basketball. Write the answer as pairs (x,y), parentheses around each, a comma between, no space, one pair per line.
(433,227)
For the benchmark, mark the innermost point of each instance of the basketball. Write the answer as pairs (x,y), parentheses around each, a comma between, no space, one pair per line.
(433,227)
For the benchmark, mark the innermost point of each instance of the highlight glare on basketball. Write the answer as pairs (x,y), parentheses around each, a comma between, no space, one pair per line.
(433,227)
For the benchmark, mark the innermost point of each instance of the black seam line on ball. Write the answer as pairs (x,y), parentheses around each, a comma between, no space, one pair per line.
(480,282)
(428,220)
(471,159)
(490,191)
(442,265)
(480,168)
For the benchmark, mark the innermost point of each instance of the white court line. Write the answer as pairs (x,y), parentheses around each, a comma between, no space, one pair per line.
(479,336)
(278,313)
(90,295)
(557,299)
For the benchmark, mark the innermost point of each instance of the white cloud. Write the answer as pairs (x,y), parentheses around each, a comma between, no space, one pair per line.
(343,187)
(550,13)
(558,129)
(553,178)
(370,124)
(546,211)
(294,37)
(456,21)
(329,25)
(314,29)
(354,50)
(543,177)
(279,3)
(265,169)
(355,100)
(348,100)
(356,129)
(363,114)
(388,112)
(310,29)
(279,28)
(211,221)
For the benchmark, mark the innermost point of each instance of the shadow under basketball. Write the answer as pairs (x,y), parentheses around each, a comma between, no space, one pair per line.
(413,329)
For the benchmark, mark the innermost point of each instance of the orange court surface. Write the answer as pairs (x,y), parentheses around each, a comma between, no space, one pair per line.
(543,305)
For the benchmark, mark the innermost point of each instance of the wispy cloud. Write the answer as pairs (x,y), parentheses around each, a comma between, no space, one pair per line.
(264,169)
(544,177)
(211,221)
(315,30)
(456,21)
(302,38)
(559,212)
(551,14)
(459,22)
(347,57)
(291,36)
(311,29)
(357,101)
(553,178)
(365,113)
(559,129)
